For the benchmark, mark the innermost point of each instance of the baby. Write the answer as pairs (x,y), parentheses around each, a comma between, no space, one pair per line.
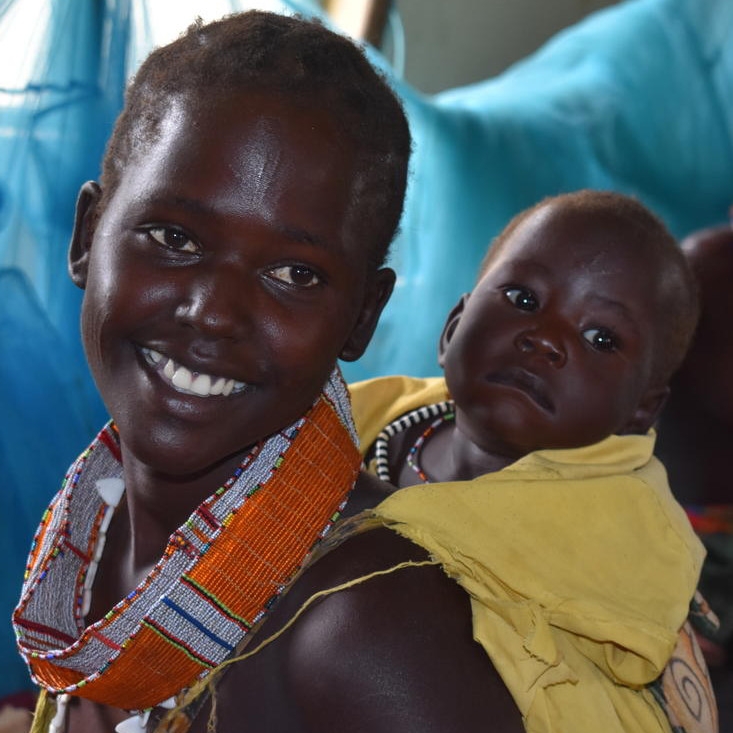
(557,520)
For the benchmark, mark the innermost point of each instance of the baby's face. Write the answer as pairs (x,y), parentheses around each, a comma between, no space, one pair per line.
(554,346)
(222,280)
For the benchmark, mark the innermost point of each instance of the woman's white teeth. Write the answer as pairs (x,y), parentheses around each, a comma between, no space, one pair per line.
(201,385)
(184,380)
(218,386)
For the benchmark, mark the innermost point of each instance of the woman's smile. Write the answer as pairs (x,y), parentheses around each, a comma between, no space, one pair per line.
(189,381)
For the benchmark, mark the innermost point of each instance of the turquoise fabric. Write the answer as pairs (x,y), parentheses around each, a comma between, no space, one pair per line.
(53,127)
(44,411)
(637,98)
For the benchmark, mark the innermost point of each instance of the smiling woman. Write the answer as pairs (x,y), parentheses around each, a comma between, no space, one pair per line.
(230,254)
(319,674)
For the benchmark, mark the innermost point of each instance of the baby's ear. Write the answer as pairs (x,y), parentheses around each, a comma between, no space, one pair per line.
(81,240)
(450,326)
(647,411)
(378,293)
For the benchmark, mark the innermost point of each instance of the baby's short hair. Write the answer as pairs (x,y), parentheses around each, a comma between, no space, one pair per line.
(299,59)
(678,301)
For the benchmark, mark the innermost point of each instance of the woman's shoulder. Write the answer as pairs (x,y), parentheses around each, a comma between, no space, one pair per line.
(375,637)
(384,643)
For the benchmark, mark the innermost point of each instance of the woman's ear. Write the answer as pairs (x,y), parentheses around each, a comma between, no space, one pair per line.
(647,411)
(378,293)
(85,220)
(450,326)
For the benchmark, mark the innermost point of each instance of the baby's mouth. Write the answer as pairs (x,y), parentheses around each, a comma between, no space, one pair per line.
(187,382)
(528,383)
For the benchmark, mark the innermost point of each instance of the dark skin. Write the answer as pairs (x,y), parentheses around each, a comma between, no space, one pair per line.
(373,658)
(239,256)
(552,349)
(696,426)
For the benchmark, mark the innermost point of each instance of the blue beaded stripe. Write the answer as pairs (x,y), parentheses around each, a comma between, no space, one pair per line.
(216,602)
(192,619)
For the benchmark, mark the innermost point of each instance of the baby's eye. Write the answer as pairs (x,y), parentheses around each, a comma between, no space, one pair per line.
(173,239)
(298,275)
(601,339)
(523,299)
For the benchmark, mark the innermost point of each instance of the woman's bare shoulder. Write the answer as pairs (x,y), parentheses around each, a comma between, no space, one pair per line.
(391,650)
(394,651)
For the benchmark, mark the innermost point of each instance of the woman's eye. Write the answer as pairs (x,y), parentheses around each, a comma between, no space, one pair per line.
(298,275)
(173,239)
(601,339)
(523,299)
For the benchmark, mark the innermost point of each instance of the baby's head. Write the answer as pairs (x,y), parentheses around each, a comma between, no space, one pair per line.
(233,252)
(583,309)
(302,63)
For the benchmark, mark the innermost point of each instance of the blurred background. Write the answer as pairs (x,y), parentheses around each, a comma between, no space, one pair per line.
(448,44)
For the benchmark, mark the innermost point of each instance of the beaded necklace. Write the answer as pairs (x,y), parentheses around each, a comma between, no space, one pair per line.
(220,574)
(440,411)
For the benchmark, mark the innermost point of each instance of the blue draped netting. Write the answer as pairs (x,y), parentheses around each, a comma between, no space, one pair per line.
(636,98)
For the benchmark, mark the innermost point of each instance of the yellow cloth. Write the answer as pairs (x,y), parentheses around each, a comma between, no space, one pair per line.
(376,402)
(579,563)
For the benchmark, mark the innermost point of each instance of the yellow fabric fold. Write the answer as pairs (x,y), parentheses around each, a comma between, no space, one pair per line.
(580,565)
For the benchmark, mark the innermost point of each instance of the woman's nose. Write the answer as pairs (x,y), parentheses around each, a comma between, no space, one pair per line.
(214,305)
(543,345)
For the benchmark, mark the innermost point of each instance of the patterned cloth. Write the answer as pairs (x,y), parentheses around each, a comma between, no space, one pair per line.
(685,690)
(714,526)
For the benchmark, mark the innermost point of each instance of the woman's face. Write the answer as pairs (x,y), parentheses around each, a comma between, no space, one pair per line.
(223,280)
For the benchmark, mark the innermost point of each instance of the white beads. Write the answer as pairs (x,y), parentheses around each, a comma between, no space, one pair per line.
(110,491)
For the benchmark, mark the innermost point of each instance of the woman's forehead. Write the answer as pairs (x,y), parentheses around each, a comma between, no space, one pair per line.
(258,160)
(251,137)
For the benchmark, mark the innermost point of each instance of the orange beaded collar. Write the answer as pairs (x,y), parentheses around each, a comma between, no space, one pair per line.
(220,573)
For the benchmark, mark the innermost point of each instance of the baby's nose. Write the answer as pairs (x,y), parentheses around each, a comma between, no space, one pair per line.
(541,344)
